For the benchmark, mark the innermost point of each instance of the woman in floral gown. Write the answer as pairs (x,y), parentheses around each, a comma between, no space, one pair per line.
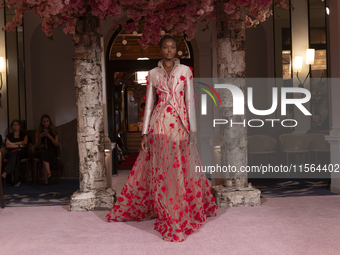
(163,183)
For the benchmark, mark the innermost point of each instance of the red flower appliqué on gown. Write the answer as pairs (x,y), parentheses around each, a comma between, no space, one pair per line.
(163,183)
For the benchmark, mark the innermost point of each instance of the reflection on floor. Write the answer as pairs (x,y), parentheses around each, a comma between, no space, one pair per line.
(292,187)
(53,194)
(40,194)
(59,194)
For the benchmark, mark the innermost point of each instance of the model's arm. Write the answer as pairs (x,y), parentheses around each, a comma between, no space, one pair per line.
(190,101)
(149,104)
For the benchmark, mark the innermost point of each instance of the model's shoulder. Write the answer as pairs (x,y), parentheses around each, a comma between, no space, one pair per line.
(185,67)
(153,72)
(155,69)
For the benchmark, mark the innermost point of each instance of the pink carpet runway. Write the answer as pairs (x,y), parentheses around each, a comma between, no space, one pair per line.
(289,225)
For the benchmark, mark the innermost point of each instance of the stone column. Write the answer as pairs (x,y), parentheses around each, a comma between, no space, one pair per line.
(232,188)
(94,193)
(204,122)
(108,162)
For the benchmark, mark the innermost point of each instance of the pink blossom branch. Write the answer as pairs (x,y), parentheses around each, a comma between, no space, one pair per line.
(178,16)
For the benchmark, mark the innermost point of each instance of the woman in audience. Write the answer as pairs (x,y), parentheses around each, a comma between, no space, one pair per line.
(16,150)
(46,140)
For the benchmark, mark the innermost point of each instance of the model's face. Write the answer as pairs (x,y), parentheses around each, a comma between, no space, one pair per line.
(16,126)
(45,122)
(168,49)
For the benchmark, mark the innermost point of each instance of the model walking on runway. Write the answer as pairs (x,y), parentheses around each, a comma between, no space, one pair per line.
(163,183)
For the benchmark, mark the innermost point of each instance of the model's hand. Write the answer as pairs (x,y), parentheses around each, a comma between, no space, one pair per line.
(193,138)
(145,143)
(42,135)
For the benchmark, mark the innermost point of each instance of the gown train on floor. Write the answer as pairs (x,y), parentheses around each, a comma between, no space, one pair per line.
(163,183)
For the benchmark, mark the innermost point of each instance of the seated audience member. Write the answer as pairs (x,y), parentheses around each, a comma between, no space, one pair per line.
(16,150)
(120,147)
(121,158)
(120,142)
(46,142)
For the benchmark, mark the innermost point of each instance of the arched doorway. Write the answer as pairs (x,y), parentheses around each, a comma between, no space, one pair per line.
(124,58)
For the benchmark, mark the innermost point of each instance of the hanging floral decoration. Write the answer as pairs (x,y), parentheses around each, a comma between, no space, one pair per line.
(181,17)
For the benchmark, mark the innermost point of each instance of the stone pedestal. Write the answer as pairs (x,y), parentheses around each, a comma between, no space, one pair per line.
(93,193)
(95,200)
(232,197)
(108,161)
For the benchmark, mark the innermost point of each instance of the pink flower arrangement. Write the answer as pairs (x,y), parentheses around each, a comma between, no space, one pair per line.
(180,16)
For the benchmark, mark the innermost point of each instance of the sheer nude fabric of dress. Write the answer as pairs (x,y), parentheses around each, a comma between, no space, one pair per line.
(163,183)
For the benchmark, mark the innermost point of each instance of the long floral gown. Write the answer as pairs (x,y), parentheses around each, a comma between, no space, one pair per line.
(163,183)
